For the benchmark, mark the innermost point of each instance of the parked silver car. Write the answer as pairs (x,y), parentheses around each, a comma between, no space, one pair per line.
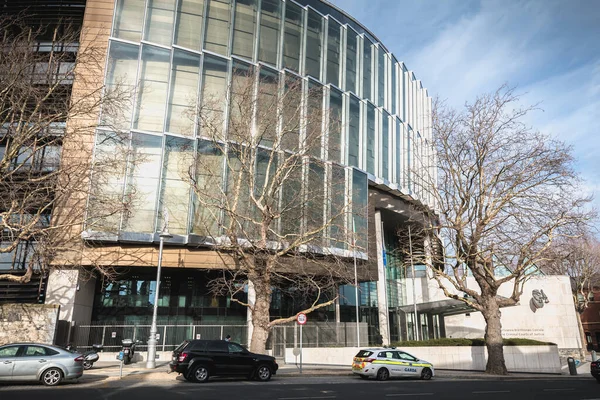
(39,362)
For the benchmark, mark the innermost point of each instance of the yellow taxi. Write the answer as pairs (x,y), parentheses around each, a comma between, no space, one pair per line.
(384,363)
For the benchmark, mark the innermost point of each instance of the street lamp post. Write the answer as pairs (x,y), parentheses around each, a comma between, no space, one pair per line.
(151,361)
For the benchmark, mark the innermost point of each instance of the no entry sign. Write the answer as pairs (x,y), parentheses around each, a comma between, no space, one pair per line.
(301,318)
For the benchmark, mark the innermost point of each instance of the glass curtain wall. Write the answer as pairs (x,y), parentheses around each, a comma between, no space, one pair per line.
(168,84)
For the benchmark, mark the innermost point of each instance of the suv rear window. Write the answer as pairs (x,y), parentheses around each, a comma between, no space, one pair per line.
(364,353)
(182,346)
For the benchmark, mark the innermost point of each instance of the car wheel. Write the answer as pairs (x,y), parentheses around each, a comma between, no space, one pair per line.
(426,374)
(52,377)
(364,377)
(199,374)
(87,365)
(383,374)
(263,373)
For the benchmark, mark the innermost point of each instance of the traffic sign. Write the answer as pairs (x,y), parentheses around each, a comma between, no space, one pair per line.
(301,318)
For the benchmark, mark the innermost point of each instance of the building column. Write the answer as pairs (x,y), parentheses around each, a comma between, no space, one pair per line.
(382,303)
(73,290)
(251,300)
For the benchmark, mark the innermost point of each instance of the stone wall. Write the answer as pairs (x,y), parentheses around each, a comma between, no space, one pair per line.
(28,323)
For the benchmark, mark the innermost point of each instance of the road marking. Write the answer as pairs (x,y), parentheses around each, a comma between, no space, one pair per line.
(558,390)
(304,398)
(491,391)
(408,394)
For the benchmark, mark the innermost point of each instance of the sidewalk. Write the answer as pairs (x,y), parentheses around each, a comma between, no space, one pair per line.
(105,371)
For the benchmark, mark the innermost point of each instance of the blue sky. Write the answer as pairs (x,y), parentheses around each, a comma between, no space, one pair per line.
(548,49)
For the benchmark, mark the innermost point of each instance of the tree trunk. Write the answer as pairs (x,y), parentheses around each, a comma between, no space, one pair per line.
(260,317)
(583,349)
(493,338)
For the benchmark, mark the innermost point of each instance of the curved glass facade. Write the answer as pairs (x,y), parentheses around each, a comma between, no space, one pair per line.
(175,53)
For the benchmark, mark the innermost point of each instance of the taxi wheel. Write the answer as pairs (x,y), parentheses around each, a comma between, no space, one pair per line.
(426,374)
(383,374)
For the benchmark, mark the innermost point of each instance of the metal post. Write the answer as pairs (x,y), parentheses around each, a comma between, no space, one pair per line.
(151,361)
(164,338)
(301,348)
(412,265)
(356,285)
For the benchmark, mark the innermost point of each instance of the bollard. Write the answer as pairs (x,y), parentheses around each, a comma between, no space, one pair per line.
(572,366)
(594,356)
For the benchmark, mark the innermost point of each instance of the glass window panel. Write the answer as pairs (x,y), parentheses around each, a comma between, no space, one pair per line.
(243,28)
(292,39)
(208,189)
(337,198)
(270,16)
(291,104)
(370,136)
(314,119)
(353,132)
(385,146)
(333,53)
(313,44)
(121,77)
(175,189)
(316,200)
(291,199)
(159,21)
(241,110)
(183,96)
(107,182)
(399,158)
(152,90)
(394,88)
(335,126)
(366,69)
(216,37)
(351,60)
(267,102)
(238,196)
(189,23)
(380,77)
(359,208)
(409,158)
(129,16)
(214,89)
(142,183)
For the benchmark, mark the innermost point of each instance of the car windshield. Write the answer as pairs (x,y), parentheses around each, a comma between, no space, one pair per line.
(364,353)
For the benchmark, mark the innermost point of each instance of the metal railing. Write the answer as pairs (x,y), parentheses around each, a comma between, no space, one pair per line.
(314,334)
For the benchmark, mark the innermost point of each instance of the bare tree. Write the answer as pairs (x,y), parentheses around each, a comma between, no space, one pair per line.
(282,209)
(504,194)
(45,125)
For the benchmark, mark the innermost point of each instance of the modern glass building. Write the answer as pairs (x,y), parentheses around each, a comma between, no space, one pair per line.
(175,54)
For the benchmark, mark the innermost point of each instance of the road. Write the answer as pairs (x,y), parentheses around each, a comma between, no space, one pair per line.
(313,388)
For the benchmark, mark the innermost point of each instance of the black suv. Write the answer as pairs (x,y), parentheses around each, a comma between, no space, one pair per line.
(198,360)
(595,370)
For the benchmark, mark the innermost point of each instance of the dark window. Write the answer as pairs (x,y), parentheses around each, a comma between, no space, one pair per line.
(198,346)
(9,351)
(33,351)
(182,346)
(363,353)
(406,356)
(235,348)
(217,347)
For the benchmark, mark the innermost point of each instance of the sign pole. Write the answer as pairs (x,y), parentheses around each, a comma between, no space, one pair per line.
(301,320)
(301,325)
